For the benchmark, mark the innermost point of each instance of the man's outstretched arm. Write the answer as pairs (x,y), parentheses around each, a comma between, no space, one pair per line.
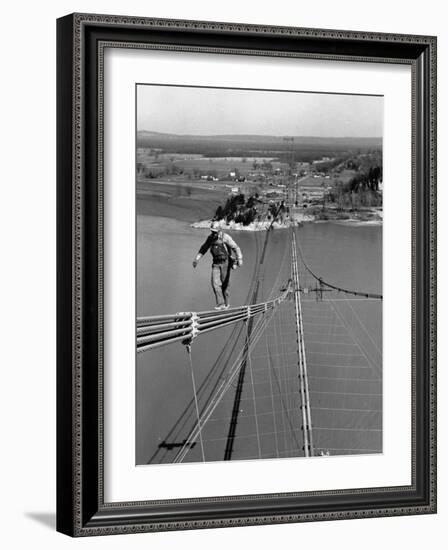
(204,248)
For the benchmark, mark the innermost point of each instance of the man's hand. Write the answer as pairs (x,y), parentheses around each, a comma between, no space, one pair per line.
(240,263)
(195,263)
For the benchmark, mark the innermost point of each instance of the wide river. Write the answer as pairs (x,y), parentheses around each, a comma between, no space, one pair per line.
(349,256)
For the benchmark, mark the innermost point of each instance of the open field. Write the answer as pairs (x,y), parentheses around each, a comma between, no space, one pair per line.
(181,202)
(197,165)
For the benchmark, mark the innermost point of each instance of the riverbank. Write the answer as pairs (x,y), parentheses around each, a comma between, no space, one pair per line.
(262,225)
(372,215)
(365,217)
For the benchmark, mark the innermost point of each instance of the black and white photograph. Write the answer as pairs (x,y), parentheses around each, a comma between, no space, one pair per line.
(259,274)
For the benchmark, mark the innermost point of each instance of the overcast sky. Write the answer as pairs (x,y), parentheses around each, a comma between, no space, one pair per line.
(211,111)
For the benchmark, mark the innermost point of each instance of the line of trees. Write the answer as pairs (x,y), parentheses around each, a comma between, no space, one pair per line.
(362,190)
(369,179)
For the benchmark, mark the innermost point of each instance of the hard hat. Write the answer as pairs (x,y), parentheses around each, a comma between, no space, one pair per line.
(214,226)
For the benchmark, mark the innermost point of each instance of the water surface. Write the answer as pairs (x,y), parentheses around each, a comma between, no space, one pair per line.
(345,379)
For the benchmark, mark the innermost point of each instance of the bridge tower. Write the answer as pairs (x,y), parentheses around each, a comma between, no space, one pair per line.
(291,191)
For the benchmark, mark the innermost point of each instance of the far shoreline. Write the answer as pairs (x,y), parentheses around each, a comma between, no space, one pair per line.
(196,208)
(265,225)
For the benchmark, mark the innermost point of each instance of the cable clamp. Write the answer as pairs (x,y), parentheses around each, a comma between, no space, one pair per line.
(248,312)
(194,325)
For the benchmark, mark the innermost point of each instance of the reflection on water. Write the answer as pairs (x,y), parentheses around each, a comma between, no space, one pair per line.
(347,256)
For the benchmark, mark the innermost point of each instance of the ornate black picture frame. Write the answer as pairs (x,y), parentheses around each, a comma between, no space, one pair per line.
(81,509)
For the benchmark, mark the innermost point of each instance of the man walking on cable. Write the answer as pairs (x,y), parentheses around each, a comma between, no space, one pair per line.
(223,248)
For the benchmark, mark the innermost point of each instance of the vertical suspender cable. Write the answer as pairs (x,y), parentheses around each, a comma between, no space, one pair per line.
(196,402)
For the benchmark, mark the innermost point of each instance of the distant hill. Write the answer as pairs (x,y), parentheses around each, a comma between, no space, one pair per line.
(306,148)
(145,136)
